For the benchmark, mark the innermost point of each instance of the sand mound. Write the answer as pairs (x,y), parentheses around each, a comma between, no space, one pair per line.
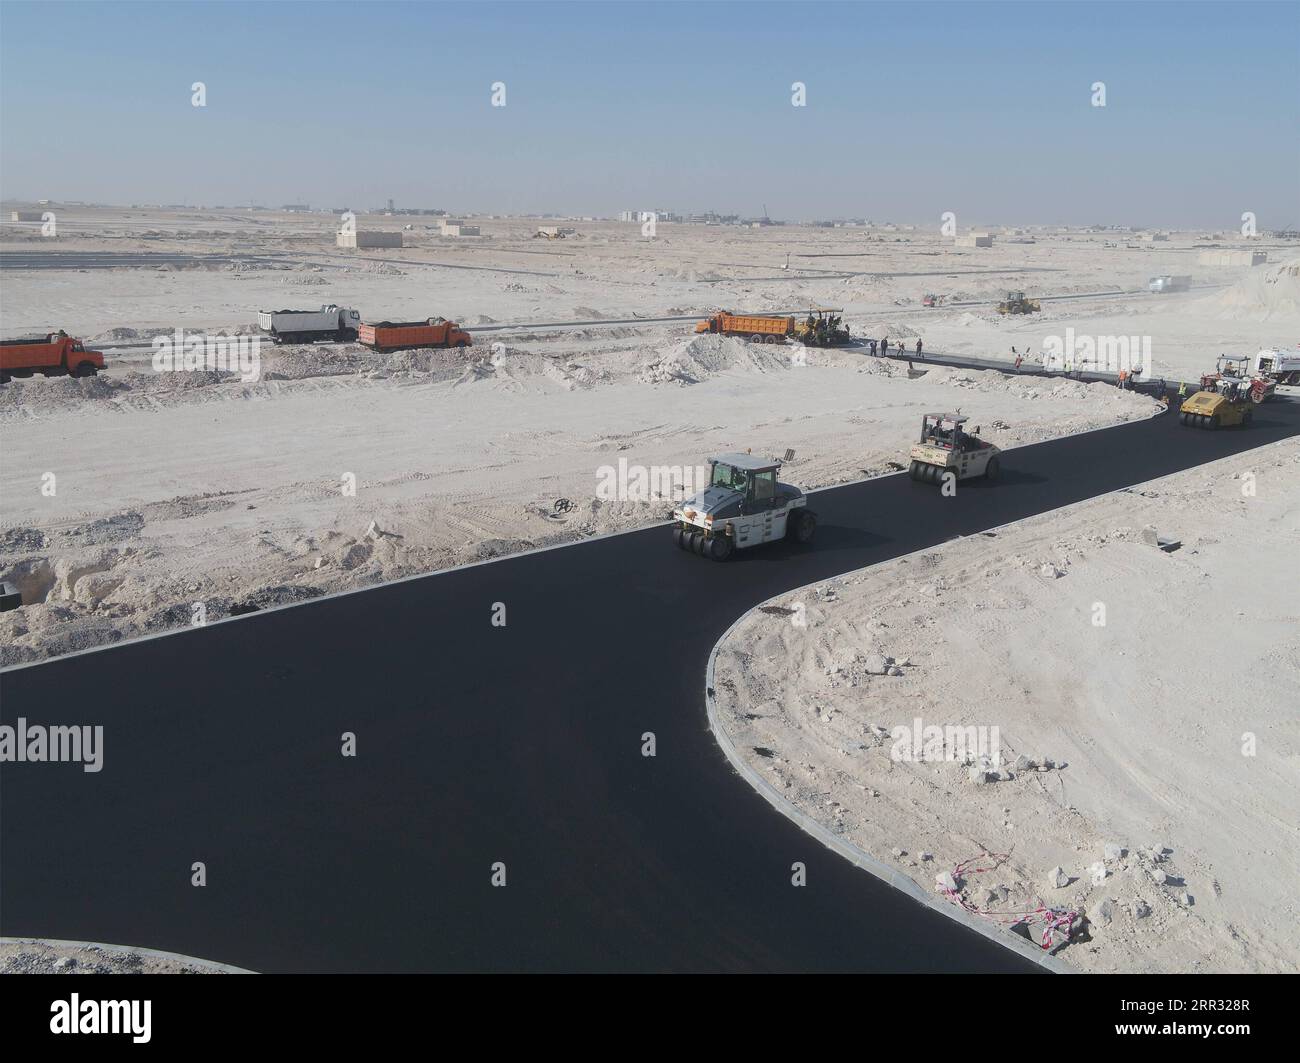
(1263,295)
(701,357)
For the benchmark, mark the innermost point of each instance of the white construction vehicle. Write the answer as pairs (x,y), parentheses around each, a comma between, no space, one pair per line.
(1276,363)
(1230,369)
(946,445)
(744,505)
(330,322)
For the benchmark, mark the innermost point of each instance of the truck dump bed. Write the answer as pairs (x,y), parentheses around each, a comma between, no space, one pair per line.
(747,325)
(326,319)
(393,335)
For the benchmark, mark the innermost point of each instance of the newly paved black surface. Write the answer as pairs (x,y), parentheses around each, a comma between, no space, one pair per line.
(477,744)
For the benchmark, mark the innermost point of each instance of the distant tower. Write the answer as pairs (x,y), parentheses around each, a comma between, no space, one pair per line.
(390,206)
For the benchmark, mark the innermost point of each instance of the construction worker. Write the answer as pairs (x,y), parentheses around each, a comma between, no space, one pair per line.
(918,348)
(1019,359)
(1182,389)
(1123,377)
(872,344)
(884,346)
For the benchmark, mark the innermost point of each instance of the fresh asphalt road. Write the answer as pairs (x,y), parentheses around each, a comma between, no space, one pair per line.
(479,744)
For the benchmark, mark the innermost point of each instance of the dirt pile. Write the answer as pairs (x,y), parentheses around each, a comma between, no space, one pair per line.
(1264,294)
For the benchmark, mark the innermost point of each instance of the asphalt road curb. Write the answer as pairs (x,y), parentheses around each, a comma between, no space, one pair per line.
(156,954)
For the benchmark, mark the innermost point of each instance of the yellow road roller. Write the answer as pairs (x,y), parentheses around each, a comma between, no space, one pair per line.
(1221,407)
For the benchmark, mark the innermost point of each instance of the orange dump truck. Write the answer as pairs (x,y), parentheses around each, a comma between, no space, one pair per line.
(404,335)
(758,329)
(54,354)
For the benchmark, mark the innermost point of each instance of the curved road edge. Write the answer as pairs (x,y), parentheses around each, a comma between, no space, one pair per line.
(211,966)
(854,855)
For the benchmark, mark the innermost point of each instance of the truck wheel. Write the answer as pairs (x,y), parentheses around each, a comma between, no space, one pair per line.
(720,547)
(755,338)
(84,369)
(914,470)
(803,526)
(700,544)
(992,469)
(677,537)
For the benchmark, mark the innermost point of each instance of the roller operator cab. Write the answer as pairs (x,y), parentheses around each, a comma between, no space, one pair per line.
(946,445)
(744,505)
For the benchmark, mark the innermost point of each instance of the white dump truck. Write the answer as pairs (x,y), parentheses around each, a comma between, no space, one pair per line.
(1278,363)
(307,326)
(744,505)
(1170,284)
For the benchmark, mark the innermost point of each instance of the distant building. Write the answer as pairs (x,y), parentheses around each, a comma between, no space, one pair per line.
(25,215)
(647,215)
(355,239)
(460,230)
(975,240)
(1232,258)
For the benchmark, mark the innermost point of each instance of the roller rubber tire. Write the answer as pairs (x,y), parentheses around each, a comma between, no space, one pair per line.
(805,527)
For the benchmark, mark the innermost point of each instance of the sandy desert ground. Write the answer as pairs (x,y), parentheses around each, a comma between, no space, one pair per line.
(1162,744)
(173,489)
(180,488)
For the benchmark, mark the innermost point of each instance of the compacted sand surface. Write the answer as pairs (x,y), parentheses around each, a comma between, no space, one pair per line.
(1136,706)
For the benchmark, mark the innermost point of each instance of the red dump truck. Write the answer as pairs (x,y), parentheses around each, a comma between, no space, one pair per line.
(404,335)
(758,329)
(55,354)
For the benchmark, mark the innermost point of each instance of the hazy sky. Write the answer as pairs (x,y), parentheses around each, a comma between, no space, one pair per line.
(912,109)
